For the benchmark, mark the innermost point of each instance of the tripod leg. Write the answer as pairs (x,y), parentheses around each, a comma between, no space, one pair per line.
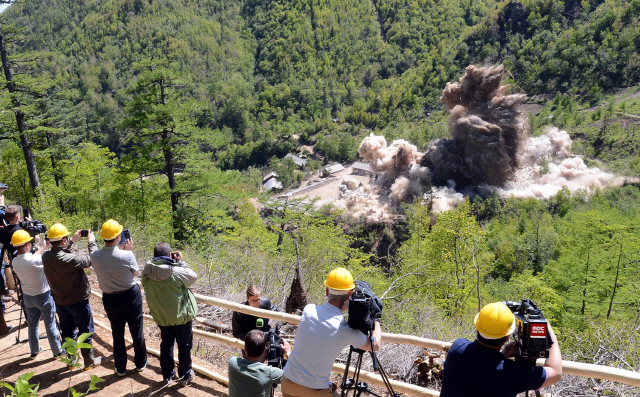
(345,377)
(385,379)
(20,321)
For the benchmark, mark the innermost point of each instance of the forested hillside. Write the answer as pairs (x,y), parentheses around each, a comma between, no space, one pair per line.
(166,114)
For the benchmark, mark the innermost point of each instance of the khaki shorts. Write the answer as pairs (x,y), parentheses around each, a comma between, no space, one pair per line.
(290,389)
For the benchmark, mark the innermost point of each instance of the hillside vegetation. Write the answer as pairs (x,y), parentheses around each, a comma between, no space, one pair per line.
(166,114)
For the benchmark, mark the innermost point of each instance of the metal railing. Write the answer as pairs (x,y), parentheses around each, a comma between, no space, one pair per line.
(568,367)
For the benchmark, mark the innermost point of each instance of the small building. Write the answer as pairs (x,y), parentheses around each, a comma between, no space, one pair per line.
(271,182)
(269,176)
(332,169)
(299,161)
(362,169)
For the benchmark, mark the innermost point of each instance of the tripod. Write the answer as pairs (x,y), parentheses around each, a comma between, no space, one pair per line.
(20,302)
(359,387)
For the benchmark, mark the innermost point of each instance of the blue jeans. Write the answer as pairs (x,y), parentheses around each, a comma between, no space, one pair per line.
(182,336)
(41,306)
(75,316)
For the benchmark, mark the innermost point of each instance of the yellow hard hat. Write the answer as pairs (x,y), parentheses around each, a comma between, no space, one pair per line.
(495,321)
(340,279)
(57,231)
(110,229)
(20,238)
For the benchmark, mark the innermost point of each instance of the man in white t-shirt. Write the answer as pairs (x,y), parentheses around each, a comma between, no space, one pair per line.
(37,299)
(322,334)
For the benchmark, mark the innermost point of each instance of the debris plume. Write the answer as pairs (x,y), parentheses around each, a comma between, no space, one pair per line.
(488,152)
(488,129)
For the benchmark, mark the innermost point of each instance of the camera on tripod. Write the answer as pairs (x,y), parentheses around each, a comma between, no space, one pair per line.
(275,352)
(33,227)
(364,307)
(532,337)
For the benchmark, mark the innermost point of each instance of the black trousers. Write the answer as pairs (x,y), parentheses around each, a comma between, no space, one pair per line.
(182,336)
(126,308)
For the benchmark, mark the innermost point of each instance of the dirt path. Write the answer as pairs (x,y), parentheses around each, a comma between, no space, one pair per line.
(53,375)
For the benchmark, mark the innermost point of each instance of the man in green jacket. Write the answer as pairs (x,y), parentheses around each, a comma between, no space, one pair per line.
(166,280)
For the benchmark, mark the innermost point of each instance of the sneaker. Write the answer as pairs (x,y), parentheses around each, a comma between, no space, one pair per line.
(34,355)
(172,378)
(118,374)
(60,355)
(143,367)
(187,378)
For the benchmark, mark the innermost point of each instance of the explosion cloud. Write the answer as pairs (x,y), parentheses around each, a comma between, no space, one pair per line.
(489,151)
(488,130)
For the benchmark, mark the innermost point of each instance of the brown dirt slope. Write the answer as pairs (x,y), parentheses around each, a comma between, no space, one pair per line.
(53,376)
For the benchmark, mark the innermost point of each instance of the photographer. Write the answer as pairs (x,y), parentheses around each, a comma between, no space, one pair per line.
(13,213)
(166,280)
(250,376)
(37,300)
(322,334)
(121,295)
(70,287)
(242,323)
(479,368)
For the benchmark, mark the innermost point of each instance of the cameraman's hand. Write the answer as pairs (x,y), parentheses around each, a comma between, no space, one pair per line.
(36,239)
(1,200)
(286,348)
(91,236)
(509,350)
(178,256)
(127,245)
(76,236)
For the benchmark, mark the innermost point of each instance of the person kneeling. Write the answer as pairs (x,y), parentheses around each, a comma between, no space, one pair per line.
(250,376)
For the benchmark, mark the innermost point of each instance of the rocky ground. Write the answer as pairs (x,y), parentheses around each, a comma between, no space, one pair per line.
(54,378)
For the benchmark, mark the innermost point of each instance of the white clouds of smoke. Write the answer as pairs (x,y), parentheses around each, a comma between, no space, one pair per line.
(488,152)
(547,166)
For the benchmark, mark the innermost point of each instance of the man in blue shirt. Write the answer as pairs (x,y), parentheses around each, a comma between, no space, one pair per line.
(480,369)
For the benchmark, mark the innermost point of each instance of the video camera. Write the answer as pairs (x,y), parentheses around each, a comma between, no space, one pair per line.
(364,307)
(275,352)
(532,337)
(3,187)
(33,227)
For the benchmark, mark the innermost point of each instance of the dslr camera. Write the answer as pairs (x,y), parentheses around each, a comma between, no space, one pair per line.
(275,352)
(33,227)
(532,337)
(364,307)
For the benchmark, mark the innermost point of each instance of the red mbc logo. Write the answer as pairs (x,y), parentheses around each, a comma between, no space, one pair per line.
(538,330)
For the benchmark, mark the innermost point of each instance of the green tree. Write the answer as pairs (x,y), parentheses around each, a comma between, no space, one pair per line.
(160,124)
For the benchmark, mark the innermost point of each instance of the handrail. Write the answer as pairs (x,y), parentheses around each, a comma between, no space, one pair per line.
(618,375)
(374,379)
(293,319)
(568,367)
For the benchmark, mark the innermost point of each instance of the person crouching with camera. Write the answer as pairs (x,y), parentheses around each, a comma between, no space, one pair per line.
(250,376)
(166,280)
(37,300)
(115,269)
(479,368)
(322,334)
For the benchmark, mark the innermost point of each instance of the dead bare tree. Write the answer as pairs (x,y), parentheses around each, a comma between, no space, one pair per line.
(297,299)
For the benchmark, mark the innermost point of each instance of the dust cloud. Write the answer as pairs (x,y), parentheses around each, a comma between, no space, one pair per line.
(489,151)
